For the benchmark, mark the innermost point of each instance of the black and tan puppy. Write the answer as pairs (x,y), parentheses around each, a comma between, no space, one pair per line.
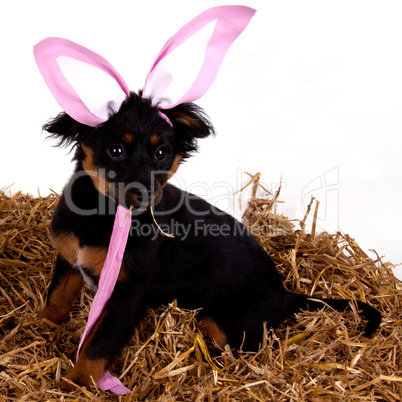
(212,263)
(128,146)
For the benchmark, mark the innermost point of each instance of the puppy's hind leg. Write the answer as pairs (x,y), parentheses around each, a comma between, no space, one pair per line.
(233,323)
(64,289)
(211,330)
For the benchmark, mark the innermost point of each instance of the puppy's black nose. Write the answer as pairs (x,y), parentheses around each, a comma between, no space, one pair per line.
(143,196)
(136,197)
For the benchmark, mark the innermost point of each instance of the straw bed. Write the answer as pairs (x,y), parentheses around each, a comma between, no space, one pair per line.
(315,356)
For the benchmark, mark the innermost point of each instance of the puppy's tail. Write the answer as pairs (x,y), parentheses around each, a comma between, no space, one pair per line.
(370,313)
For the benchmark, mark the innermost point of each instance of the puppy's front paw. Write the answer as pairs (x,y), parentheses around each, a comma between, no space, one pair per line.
(52,314)
(84,373)
(75,380)
(67,385)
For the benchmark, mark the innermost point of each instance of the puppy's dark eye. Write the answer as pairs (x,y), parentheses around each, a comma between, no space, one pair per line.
(160,153)
(116,151)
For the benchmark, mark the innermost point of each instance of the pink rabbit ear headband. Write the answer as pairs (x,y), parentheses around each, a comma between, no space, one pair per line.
(90,90)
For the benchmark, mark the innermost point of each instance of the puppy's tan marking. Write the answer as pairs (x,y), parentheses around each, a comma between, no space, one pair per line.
(62,298)
(209,329)
(89,257)
(68,245)
(175,166)
(100,182)
(128,138)
(155,139)
(187,120)
(93,258)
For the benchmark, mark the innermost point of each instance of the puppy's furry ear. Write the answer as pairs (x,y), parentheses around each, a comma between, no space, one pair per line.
(189,123)
(66,129)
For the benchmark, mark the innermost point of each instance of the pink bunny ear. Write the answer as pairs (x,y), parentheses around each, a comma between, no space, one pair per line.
(85,85)
(189,62)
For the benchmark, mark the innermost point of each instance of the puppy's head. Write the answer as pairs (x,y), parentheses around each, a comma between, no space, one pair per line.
(131,156)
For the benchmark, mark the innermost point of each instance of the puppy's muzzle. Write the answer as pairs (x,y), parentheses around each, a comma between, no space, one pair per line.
(142,199)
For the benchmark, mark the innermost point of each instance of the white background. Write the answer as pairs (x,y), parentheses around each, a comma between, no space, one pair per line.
(310,94)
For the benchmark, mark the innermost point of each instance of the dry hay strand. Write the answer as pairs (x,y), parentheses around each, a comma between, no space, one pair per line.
(315,356)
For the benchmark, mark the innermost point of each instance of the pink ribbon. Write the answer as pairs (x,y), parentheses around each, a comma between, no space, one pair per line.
(107,282)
